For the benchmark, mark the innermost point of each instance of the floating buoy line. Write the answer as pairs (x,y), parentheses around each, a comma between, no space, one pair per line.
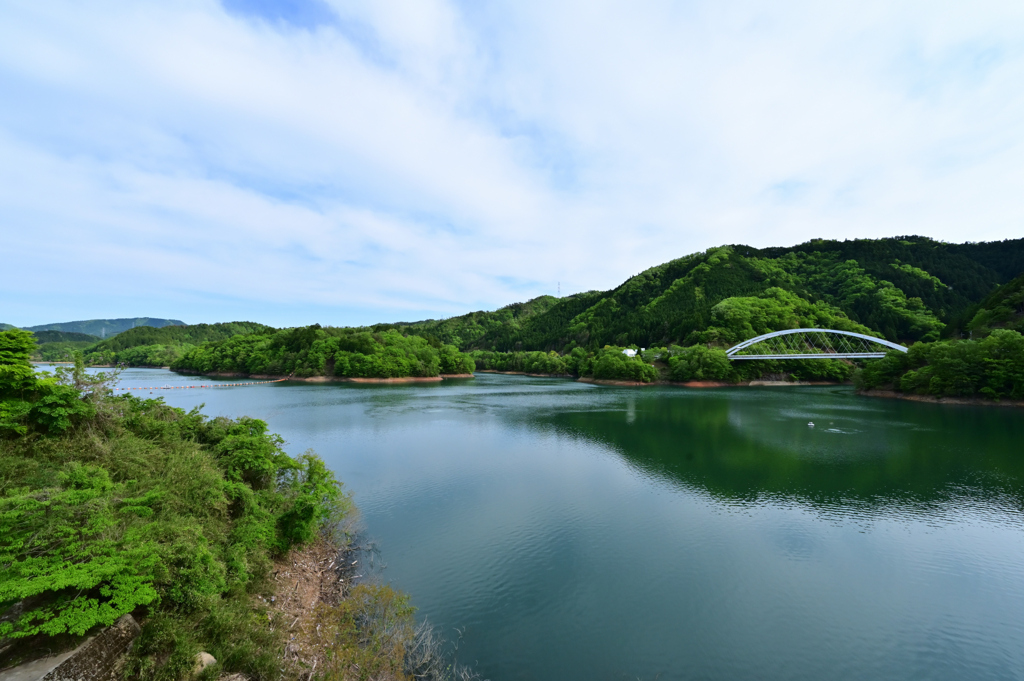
(209,385)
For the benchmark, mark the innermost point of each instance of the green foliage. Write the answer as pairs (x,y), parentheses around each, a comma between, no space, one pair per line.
(133,504)
(877,303)
(548,363)
(902,289)
(315,351)
(736,319)
(611,364)
(61,351)
(1003,309)
(57,406)
(466,330)
(919,273)
(16,372)
(33,402)
(700,363)
(317,501)
(992,367)
(161,346)
(451,361)
(64,337)
(248,453)
(65,548)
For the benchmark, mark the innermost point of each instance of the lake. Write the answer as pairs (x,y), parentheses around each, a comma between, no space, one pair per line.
(573,531)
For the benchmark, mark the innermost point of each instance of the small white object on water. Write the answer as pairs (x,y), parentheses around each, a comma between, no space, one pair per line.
(810,424)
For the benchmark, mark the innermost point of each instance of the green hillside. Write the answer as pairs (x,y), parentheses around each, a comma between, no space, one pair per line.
(64,337)
(315,351)
(466,330)
(60,346)
(906,289)
(1003,309)
(149,346)
(986,359)
(104,328)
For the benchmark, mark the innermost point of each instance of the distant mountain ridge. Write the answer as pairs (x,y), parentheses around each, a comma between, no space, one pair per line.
(64,337)
(104,328)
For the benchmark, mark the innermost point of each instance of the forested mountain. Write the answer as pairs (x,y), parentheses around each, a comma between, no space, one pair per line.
(138,346)
(149,346)
(315,351)
(60,345)
(906,289)
(466,330)
(104,328)
(64,337)
(986,359)
(1003,309)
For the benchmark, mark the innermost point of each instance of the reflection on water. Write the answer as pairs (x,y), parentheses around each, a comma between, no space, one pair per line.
(749,446)
(577,531)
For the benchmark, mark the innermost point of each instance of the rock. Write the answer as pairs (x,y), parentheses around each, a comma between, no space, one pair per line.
(98,659)
(234,677)
(203,660)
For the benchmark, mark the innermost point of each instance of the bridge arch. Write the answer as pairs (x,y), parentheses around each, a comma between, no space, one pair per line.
(812,344)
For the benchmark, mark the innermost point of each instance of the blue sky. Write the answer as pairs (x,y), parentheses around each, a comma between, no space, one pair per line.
(351,162)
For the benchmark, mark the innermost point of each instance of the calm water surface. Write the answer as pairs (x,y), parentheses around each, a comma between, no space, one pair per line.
(583,532)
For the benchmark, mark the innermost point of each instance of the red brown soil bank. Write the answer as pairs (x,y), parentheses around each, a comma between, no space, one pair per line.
(523,373)
(606,381)
(892,394)
(706,384)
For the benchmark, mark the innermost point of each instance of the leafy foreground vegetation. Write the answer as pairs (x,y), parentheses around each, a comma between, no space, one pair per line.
(315,351)
(113,505)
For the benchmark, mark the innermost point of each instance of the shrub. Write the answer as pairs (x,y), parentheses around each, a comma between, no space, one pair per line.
(700,363)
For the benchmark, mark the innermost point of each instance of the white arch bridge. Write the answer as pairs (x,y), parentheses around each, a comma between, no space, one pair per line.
(812,344)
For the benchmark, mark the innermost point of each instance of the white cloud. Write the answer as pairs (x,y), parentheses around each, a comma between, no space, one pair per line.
(425,158)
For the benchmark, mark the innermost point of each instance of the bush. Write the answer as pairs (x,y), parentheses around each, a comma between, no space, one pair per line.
(992,367)
(700,363)
(109,505)
(612,364)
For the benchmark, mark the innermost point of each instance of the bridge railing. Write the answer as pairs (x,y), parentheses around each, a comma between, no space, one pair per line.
(812,344)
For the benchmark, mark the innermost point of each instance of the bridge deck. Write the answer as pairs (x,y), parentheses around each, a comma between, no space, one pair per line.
(820,355)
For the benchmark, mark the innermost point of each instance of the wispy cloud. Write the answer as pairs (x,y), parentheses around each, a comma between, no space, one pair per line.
(350,162)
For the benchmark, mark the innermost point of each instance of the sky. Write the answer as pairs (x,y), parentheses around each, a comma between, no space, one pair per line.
(352,162)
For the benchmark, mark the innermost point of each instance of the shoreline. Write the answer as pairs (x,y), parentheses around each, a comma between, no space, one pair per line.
(614,382)
(932,399)
(329,379)
(522,373)
(584,379)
